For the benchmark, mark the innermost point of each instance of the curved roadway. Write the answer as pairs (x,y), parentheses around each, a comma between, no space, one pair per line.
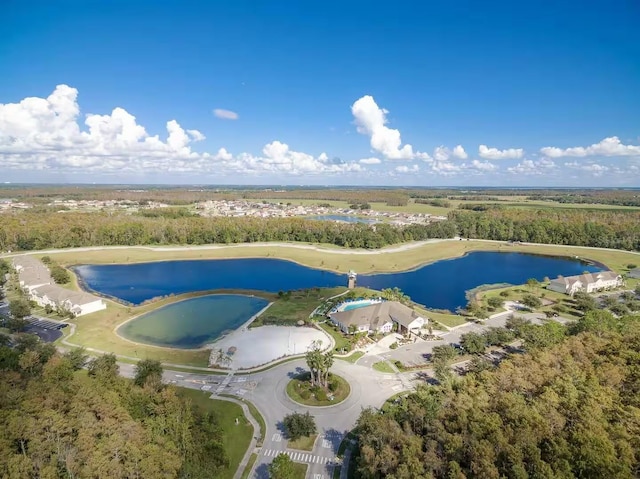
(267,391)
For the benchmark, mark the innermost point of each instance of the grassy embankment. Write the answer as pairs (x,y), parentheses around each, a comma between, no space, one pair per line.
(97,330)
(237,437)
(296,306)
(332,258)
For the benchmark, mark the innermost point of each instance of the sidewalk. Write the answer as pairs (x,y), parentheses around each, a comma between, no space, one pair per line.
(256,432)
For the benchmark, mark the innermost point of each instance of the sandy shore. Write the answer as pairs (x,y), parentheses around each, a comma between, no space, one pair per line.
(254,347)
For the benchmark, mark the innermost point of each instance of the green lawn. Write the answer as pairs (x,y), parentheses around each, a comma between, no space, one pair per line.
(299,470)
(353,357)
(383,367)
(289,309)
(304,443)
(342,342)
(445,319)
(236,437)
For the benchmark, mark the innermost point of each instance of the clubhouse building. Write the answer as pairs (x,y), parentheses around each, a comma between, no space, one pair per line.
(380,317)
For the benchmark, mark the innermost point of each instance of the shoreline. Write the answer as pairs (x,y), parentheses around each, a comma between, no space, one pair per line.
(207,345)
(162,253)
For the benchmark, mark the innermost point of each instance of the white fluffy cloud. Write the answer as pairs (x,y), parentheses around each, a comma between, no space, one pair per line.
(407,169)
(45,133)
(481,166)
(370,161)
(370,120)
(611,146)
(494,154)
(530,167)
(442,153)
(225,114)
(594,168)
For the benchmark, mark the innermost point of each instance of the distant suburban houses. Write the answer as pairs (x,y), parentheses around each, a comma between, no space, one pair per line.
(36,280)
(588,282)
(379,318)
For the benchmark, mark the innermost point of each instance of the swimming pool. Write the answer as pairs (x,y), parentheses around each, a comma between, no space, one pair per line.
(357,304)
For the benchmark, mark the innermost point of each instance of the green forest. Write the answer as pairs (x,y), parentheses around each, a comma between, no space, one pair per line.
(567,409)
(58,421)
(33,230)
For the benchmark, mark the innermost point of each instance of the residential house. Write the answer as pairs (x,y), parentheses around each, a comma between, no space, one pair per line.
(379,318)
(78,302)
(31,272)
(588,282)
(35,279)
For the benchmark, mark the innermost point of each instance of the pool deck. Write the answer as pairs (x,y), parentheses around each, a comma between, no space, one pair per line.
(359,303)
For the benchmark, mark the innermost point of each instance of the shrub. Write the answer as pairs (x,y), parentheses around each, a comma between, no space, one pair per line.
(505,293)
(333,386)
(394,345)
(321,395)
(305,394)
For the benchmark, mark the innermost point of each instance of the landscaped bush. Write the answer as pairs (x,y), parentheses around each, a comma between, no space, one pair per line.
(333,386)
(394,345)
(321,395)
(559,308)
(305,394)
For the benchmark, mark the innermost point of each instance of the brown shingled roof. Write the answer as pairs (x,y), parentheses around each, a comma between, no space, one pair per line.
(377,314)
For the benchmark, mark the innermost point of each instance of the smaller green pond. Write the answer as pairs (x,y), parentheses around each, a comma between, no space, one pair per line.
(192,323)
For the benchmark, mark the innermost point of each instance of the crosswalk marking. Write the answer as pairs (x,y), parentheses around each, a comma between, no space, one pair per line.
(297,456)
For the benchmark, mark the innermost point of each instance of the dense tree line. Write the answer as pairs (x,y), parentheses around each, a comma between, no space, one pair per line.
(186,195)
(57,422)
(607,229)
(569,408)
(602,197)
(28,231)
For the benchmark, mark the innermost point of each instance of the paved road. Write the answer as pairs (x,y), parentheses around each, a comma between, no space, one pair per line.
(266,390)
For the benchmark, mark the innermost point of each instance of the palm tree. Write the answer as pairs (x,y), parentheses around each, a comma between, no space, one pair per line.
(327,362)
(314,361)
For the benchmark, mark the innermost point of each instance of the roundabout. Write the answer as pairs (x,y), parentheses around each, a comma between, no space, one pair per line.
(301,391)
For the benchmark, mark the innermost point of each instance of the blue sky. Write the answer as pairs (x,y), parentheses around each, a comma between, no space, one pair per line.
(324,93)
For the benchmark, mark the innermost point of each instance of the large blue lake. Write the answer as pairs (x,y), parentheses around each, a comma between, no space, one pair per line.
(439,285)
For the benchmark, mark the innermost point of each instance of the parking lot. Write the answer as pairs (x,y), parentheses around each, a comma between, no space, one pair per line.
(46,329)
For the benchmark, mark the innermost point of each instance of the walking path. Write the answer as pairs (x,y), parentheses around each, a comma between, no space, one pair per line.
(323,249)
(336,250)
